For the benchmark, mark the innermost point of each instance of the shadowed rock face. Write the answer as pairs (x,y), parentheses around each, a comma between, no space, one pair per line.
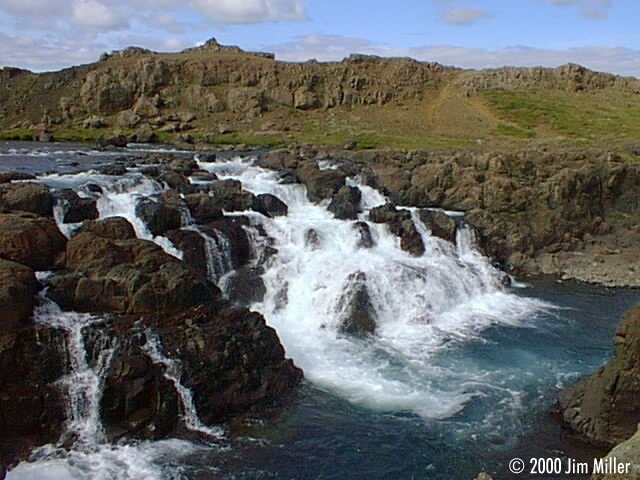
(27,197)
(18,287)
(605,406)
(400,224)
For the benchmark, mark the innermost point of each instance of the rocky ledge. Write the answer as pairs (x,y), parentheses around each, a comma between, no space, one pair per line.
(604,407)
(139,303)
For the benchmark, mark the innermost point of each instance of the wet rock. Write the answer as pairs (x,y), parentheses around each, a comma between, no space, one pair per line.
(232,239)
(346,203)
(320,184)
(113,141)
(26,197)
(208,157)
(193,248)
(365,239)
(400,224)
(203,208)
(358,314)
(8,177)
(440,224)
(31,240)
(115,170)
(159,215)
(75,208)
(18,286)
(229,359)
(32,361)
(230,196)
(245,286)
(628,452)
(269,205)
(112,228)
(176,181)
(124,276)
(604,406)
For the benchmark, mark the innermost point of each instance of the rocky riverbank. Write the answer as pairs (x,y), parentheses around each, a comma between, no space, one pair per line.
(571,214)
(140,301)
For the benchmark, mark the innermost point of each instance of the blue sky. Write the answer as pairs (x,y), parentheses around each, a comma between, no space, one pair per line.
(601,34)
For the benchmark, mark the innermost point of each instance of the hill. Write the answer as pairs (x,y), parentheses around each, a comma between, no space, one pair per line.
(222,94)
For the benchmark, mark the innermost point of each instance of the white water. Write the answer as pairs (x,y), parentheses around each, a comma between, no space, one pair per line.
(119,199)
(423,305)
(172,372)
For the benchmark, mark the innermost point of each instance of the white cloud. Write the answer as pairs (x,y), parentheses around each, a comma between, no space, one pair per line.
(620,60)
(92,13)
(463,15)
(593,9)
(250,11)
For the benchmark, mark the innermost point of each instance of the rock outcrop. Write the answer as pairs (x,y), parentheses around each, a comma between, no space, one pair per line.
(18,287)
(605,406)
(358,316)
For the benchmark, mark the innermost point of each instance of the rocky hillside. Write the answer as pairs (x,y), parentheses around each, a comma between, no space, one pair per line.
(222,94)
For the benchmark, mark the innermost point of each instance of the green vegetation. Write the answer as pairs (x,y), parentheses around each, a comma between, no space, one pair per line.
(578,115)
(246,139)
(16,134)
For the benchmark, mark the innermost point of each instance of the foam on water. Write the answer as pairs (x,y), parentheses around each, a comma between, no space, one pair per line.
(422,304)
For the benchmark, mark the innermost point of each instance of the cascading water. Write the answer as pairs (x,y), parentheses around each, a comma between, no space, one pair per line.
(421,304)
(172,372)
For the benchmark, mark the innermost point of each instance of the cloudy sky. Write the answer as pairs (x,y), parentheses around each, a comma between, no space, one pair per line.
(601,34)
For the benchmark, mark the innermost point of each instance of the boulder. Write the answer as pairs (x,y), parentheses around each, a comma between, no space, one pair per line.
(320,184)
(160,215)
(230,196)
(346,203)
(269,205)
(440,224)
(604,406)
(18,286)
(112,228)
(228,358)
(232,240)
(203,207)
(400,224)
(113,169)
(358,317)
(76,209)
(193,247)
(31,240)
(113,141)
(245,286)
(26,197)
(124,276)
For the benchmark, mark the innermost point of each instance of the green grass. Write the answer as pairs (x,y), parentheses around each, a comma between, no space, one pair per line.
(16,134)
(576,115)
(246,139)
(509,130)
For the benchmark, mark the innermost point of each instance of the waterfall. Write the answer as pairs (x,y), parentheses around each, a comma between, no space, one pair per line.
(423,305)
(84,383)
(172,372)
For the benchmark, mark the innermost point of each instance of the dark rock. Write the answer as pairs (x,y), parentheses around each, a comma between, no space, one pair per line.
(8,177)
(113,228)
(232,240)
(320,184)
(116,170)
(26,197)
(75,208)
(269,205)
(441,225)
(604,406)
(400,224)
(245,286)
(203,207)
(230,360)
(158,215)
(193,247)
(358,314)
(176,181)
(346,203)
(230,196)
(208,157)
(113,141)
(124,276)
(18,286)
(31,240)
(364,232)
